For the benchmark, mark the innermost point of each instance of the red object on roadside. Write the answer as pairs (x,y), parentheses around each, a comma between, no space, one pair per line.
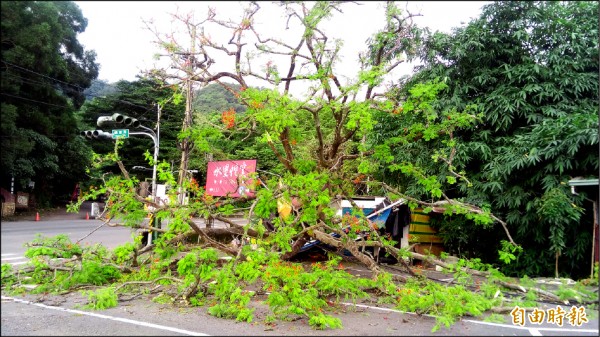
(87,215)
(37,216)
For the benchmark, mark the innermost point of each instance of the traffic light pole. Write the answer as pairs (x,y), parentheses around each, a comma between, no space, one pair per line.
(133,122)
(154,137)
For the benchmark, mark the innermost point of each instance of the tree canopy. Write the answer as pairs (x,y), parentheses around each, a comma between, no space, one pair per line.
(44,73)
(532,69)
(321,141)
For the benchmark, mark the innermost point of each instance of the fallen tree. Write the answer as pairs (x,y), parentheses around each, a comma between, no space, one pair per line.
(325,153)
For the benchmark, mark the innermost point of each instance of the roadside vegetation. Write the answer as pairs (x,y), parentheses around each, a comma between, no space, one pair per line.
(489,129)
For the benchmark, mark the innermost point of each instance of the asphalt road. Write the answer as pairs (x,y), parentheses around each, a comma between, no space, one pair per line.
(64,316)
(51,315)
(16,233)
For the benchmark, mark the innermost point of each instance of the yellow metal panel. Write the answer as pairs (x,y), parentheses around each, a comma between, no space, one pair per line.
(424,238)
(419,218)
(419,229)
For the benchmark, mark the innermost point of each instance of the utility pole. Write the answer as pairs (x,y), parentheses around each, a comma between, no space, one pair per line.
(187,121)
(156,145)
(156,223)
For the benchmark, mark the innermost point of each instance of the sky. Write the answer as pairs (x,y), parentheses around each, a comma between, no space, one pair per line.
(124,46)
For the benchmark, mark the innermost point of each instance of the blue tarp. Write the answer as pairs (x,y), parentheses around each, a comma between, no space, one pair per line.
(379,217)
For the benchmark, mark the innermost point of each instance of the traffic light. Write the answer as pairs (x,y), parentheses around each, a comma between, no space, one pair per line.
(103,120)
(98,134)
(119,119)
(129,121)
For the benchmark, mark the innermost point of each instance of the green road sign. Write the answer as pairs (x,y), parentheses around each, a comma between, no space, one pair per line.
(120,133)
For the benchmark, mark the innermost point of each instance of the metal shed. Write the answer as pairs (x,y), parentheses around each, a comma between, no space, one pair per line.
(591,187)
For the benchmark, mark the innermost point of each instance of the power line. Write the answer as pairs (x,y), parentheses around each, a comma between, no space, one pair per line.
(72,85)
(40,83)
(26,80)
(49,137)
(40,74)
(143,114)
(33,100)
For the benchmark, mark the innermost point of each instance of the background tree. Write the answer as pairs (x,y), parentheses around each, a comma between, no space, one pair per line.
(532,69)
(44,73)
(215,98)
(99,88)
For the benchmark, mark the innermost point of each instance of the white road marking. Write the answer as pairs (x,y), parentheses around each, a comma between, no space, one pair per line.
(359,270)
(537,331)
(384,309)
(17,263)
(13,257)
(119,319)
(531,329)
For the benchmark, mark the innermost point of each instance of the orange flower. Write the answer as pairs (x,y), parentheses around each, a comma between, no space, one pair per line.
(228,118)
(256,105)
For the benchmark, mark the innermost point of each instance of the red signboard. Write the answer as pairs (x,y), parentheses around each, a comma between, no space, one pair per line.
(230,178)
